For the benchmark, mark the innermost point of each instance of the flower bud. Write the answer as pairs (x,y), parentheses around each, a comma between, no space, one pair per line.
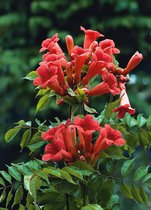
(133,62)
(69,43)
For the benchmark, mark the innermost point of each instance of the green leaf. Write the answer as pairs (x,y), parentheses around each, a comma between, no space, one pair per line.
(131,122)
(66,187)
(136,194)
(70,100)
(34,185)
(149,122)
(9,198)
(127,167)
(31,76)
(20,122)
(113,152)
(85,168)
(92,207)
(43,102)
(35,146)
(126,190)
(89,109)
(109,108)
(18,196)
(106,191)
(3,196)
(141,120)
(43,176)
(29,199)
(144,138)
(2,182)
(14,173)
(21,207)
(36,137)
(74,171)
(66,176)
(53,171)
(25,138)
(143,195)
(24,169)
(71,92)
(12,133)
(33,165)
(140,172)
(27,182)
(6,176)
(146,178)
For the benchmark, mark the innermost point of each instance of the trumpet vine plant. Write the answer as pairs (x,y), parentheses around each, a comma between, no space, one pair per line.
(89,160)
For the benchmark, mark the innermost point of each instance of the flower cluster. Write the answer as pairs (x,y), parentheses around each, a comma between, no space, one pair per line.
(73,141)
(83,138)
(94,59)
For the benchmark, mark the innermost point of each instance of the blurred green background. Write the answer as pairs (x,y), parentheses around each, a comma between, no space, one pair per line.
(25,23)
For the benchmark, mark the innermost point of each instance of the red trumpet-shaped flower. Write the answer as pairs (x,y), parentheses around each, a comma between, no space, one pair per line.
(109,85)
(124,105)
(86,127)
(133,62)
(62,143)
(73,141)
(108,137)
(52,77)
(51,45)
(79,57)
(90,36)
(108,47)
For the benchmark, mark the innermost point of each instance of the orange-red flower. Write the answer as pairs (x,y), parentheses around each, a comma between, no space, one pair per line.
(90,36)
(73,141)
(108,136)
(124,105)
(109,85)
(80,56)
(86,126)
(51,45)
(133,62)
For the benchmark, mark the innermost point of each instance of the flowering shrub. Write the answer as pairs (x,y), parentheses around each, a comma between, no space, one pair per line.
(88,156)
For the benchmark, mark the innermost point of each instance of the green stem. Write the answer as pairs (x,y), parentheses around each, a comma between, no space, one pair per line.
(67,202)
(82,109)
(70,109)
(111,98)
(84,193)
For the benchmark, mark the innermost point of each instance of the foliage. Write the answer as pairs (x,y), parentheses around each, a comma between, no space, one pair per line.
(48,186)
(25,24)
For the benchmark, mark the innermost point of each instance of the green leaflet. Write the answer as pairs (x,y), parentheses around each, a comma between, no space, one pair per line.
(92,207)
(140,172)
(18,196)
(31,76)
(25,138)
(9,136)
(127,167)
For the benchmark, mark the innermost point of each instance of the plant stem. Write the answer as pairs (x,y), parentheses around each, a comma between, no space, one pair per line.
(70,114)
(84,192)
(67,201)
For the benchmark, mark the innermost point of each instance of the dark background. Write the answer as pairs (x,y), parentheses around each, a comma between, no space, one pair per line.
(25,23)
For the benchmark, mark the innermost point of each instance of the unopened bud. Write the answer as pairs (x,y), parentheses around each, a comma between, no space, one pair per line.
(133,62)
(69,43)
